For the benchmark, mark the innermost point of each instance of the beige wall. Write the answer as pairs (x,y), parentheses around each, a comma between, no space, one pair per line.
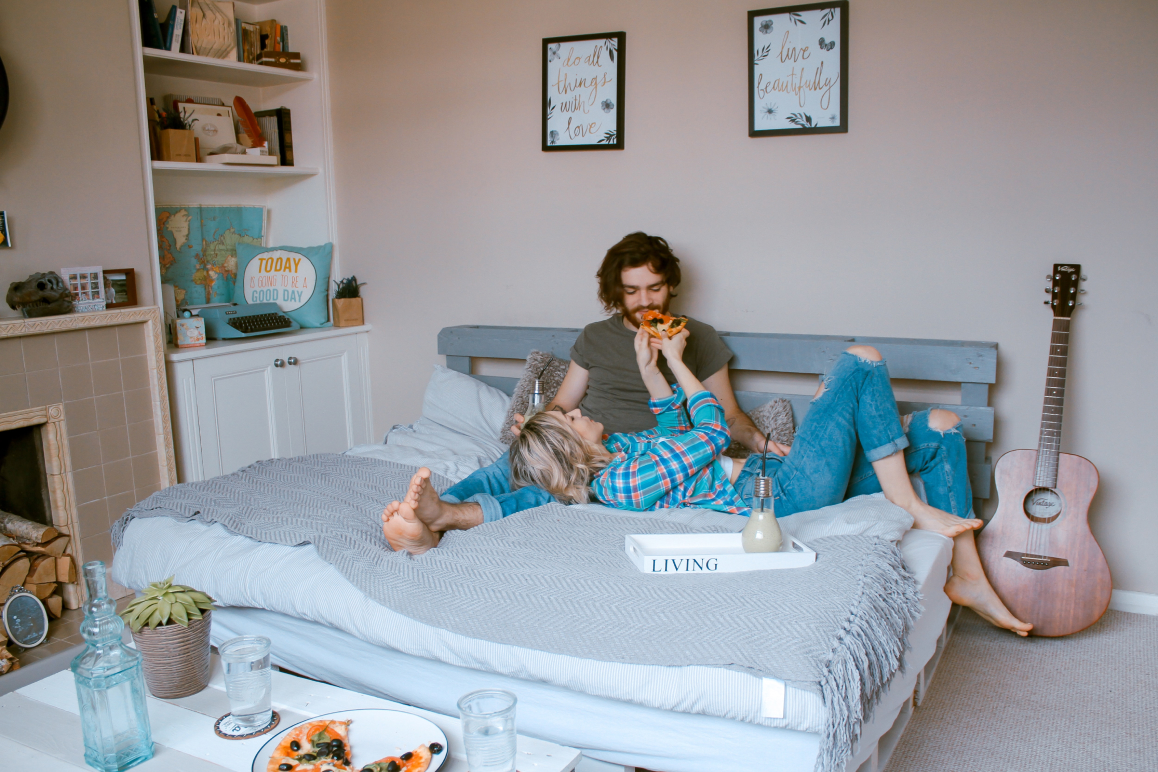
(70,149)
(987,141)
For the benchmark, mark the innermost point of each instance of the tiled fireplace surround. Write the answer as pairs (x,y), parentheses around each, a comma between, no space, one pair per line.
(107,369)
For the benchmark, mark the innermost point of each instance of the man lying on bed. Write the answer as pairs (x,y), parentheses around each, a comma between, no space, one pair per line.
(852,442)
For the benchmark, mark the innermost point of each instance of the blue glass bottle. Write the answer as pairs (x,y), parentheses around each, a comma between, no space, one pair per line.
(110,685)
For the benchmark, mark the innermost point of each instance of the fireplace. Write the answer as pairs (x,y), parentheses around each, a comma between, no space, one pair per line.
(88,391)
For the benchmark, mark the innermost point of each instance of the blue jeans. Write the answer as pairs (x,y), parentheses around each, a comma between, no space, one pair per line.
(490,488)
(851,424)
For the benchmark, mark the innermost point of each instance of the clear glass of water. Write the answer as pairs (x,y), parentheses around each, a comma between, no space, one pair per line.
(488,730)
(248,681)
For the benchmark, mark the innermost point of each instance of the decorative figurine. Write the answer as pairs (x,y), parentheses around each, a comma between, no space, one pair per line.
(41,294)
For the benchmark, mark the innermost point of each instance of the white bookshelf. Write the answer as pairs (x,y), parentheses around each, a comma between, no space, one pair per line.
(183,169)
(218,70)
(299,199)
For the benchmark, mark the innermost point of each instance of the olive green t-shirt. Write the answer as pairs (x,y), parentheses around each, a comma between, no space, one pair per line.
(616,396)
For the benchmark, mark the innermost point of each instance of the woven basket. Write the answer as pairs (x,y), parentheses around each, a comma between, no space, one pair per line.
(176,658)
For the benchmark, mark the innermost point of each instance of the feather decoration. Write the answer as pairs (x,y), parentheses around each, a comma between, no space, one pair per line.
(248,122)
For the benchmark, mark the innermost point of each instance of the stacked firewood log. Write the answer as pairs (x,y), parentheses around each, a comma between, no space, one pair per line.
(35,556)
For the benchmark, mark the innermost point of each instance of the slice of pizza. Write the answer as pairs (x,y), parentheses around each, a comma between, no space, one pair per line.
(316,746)
(658,324)
(416,760)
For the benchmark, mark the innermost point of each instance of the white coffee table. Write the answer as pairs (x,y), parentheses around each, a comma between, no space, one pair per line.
(40,727)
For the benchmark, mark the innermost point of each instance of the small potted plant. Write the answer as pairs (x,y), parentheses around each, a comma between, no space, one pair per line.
(177,141)
(170,624)
(347,302)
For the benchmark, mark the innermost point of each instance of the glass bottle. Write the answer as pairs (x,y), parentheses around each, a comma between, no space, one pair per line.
(762,533)
(535,405)
(110,684)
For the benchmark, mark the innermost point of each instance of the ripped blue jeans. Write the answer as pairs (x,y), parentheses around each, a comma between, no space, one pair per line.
(490,488)
(851,424)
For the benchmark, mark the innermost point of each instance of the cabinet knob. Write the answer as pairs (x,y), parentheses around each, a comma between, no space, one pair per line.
(293,360)
(279,363)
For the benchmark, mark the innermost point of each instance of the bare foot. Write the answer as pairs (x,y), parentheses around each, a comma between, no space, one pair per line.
(439,515)
(978,595)
(404,530)
(927,518)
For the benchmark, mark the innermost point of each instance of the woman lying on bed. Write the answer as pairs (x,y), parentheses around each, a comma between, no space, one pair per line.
(852,442)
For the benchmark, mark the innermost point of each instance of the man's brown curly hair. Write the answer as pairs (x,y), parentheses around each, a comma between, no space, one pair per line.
(634,250)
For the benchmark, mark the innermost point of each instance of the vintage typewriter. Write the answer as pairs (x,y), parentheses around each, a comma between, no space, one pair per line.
(237,321)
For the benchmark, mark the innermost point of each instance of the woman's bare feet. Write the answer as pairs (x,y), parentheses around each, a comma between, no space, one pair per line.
(979,595)
(404,530)
(927,518)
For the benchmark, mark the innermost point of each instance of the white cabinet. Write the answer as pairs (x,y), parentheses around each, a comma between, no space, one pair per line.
(236,402)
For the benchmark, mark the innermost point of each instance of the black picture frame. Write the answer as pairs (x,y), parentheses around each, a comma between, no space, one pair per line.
(615,47)
(25,618)
(797,119)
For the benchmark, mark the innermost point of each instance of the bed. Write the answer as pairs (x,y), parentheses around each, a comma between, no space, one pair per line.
(605,713)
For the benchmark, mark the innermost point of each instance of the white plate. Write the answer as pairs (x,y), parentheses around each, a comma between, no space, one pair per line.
(374,734)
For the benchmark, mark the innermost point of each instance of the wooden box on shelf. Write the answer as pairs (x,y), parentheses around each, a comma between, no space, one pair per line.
(287,60)
(178,145)
(347,312)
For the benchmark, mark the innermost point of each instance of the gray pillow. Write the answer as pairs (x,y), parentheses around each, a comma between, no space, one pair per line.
(550,370)
(774,416)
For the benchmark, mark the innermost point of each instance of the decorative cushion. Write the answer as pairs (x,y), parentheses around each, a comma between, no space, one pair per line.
(550,370)
(464,404)
(296,278)
(774,416)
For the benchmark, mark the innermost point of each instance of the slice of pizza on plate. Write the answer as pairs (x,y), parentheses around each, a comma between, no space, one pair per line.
(416,760)
(315,746)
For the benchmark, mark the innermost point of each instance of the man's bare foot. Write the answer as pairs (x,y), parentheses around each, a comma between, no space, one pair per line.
(405,531)
(927,518)
(979,595)
(439,515)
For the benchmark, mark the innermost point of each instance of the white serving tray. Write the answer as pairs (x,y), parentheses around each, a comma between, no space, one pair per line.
(709,553)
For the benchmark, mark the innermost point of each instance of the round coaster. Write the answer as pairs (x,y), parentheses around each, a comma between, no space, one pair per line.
(226,728)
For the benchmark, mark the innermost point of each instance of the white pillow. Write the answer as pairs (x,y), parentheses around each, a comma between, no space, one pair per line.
(464,404)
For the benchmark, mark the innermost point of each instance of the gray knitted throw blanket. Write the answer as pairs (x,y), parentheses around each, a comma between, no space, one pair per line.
(557,579)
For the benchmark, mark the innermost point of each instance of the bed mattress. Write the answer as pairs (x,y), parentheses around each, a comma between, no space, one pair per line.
(324,627)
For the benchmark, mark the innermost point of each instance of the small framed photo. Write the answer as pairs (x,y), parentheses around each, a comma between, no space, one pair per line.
(120,286)
(583,92)
(798,69)
(213,126)
(87,286)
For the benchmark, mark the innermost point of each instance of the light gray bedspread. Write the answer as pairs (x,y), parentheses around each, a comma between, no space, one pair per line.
(557,579)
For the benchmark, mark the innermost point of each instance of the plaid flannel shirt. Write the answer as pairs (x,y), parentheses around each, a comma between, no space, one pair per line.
(674,464)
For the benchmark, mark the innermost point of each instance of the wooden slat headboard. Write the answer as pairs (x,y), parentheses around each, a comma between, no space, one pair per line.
(973,364)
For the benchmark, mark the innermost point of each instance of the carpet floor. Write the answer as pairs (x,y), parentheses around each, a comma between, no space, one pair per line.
(999,703)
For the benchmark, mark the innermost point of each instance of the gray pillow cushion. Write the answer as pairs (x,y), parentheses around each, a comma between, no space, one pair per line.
(774,416)
(550,370)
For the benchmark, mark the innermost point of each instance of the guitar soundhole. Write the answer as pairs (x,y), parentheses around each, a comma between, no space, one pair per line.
(1043,505)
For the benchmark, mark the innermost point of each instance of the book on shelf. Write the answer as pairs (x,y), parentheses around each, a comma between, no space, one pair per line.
(150,25)
(271,35)
(168,100)
(285,37)
(248,42)
(275,127)
(174,29)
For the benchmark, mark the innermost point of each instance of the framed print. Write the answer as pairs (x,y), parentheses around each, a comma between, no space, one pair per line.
(798,70)
(583,92)
(213,127)
(120,287)
(88,287)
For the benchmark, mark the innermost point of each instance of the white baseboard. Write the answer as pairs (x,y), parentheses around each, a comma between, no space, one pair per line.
(1134,602)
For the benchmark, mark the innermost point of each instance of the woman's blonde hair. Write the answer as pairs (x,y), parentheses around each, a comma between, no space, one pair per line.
(549,454)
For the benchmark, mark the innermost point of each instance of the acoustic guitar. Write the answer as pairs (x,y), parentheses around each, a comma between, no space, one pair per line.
(1037,550)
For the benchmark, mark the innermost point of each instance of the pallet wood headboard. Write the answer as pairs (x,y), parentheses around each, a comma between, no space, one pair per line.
(973,364)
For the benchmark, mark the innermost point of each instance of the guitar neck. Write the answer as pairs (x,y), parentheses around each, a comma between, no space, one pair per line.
(1049,440)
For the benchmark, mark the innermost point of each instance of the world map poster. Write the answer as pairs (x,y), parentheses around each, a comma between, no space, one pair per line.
(197,248)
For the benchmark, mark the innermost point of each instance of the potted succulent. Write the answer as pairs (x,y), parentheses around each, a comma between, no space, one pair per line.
(170,625)
(347,302)
(177,141)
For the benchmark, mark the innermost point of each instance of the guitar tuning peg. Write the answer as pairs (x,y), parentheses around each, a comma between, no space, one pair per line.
(1084,277)
(1080,303)
(1047,290)
(1081,292)
(1045,302)
(1048,276)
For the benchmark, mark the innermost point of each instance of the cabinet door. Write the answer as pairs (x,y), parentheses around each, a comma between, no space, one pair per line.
(241,410)
(326,395)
